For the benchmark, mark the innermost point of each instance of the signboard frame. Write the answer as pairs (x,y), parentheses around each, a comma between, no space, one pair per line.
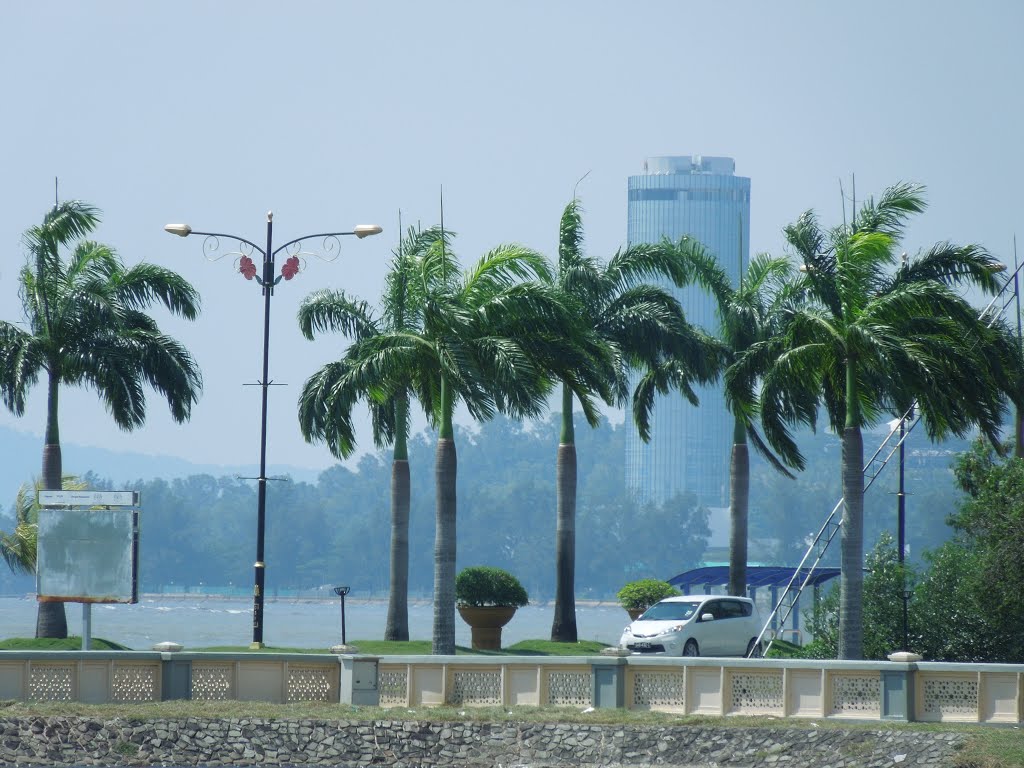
(85,498)
(88,554)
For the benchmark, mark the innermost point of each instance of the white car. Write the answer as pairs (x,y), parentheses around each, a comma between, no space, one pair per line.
(696,625)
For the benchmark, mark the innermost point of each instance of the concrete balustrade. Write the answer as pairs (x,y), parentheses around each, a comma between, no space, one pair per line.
(879,691)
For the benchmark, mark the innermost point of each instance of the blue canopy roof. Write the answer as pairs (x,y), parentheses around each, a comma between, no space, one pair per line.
(757,576)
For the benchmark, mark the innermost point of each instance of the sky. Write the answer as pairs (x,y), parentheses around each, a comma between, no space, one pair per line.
(333,114)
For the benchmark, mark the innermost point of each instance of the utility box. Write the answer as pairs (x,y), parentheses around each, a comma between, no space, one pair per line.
(176,679)
(609,686)
(359,681)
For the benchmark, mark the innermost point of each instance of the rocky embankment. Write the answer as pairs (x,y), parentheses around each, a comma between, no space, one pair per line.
(67,741)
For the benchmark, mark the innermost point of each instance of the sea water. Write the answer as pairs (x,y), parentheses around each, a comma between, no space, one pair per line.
(198,622)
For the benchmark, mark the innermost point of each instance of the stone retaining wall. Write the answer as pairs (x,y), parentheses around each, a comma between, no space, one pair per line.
(61,741)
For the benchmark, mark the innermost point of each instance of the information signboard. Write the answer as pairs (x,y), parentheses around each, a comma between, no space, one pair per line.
(88,556)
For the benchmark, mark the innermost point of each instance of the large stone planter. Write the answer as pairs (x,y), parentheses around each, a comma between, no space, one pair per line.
(485,623)
(635,613)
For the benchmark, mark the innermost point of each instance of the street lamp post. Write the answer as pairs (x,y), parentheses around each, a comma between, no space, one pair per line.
(267,281)
(341,592)
(907,594)
(901,496)
(901,525)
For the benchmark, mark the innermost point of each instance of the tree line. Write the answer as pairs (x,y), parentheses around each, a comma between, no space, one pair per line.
(200,530)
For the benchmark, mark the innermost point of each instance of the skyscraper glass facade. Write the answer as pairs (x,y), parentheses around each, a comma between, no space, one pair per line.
(701,197)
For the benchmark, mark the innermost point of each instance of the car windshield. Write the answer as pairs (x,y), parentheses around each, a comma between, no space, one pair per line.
(669,612)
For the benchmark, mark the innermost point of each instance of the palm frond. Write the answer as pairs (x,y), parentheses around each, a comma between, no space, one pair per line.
(661,379)
(791,454)
(645,262)
(21,362)
(143,284)
(325,409)
(806,237)
(62,224)
(570,235)
(953,265)
(890,213)
(335,311)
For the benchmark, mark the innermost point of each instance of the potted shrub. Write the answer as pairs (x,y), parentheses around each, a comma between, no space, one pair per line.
(487,599)
(637,596)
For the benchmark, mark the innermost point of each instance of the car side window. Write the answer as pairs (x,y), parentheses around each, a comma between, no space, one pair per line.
(713,607)
(729,609)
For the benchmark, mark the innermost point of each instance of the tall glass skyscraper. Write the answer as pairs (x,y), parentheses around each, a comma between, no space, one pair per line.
(700,197)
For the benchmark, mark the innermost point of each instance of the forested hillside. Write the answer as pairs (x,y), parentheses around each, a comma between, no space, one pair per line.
(198,532)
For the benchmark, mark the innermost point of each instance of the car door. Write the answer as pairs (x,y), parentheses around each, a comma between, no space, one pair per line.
(732,627)
(709,633)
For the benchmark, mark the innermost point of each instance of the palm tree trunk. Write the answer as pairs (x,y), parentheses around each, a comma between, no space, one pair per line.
(445,474)
(739,505)
(563,627)
(397,627)
(851,631)
(53,469)
(51,619)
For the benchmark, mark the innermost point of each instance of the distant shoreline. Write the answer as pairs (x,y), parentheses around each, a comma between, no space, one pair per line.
(349,599)
(203,596)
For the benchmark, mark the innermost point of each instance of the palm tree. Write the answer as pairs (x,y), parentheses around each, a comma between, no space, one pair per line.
(86,325)
(490,339)
(879,333)
(749,313)
(18,548)
(644,329)
(328,397)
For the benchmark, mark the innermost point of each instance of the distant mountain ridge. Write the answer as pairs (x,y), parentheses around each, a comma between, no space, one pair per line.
(22,461)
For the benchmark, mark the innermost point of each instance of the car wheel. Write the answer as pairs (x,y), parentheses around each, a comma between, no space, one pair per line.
(691,649)
(753,649)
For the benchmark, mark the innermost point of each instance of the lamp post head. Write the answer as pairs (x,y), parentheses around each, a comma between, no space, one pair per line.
(181,230)
(341,591)
(365,230)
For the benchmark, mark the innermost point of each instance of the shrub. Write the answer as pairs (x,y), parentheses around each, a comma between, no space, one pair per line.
(481,585)
(641,595)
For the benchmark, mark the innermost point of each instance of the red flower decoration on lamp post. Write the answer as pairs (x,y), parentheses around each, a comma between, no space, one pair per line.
(290,268)
(247,268)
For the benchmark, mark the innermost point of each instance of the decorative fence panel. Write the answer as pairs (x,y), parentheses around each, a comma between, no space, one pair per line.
(799,688)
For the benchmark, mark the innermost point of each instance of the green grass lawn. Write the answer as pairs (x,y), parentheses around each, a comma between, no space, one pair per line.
(422,647)
(372,647)
(73,643)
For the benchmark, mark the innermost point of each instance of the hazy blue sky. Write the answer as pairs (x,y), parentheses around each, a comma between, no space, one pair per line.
(336,113)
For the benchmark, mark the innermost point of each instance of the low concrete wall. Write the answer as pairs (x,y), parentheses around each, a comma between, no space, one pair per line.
(60,741)
(793,688)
